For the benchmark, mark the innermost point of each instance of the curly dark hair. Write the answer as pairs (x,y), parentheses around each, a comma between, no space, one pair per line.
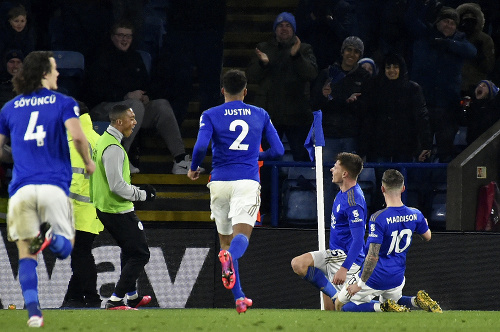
(35,66)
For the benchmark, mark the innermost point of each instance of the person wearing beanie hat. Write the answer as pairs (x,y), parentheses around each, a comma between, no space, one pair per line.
(284,68)
(285,17)
(486,90)
(13,62)
(369,65)
(483,110)
(355,43)
(448,13)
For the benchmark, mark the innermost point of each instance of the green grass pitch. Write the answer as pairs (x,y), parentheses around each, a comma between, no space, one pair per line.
(253,320)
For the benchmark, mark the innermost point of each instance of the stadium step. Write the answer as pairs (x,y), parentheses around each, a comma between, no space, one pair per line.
(178,198)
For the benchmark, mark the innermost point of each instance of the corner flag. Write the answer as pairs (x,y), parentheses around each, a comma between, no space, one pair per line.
(315,136)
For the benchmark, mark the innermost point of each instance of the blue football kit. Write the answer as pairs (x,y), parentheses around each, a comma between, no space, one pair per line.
(393,228)
(236,131)
(35,125)
(349,214)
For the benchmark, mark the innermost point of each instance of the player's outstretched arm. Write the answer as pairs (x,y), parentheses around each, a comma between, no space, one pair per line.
(80,141)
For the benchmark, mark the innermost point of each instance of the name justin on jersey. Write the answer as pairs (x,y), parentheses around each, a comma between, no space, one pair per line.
(34,101)
(238,111)
(405,218)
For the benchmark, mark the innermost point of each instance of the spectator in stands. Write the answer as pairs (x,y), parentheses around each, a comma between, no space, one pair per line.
(391,101)
(82,287)
(479,67)
(324,25)
(194,38)
(439,52)
(369,65)
(119,76)
(17,33)
(283,68)
(483,111)
(13,63)
(335,91)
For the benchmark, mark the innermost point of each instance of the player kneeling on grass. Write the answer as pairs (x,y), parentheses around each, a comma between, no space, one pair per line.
(389,239)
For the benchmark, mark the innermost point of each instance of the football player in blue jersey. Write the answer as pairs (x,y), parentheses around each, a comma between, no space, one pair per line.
(236,131)
(383,273)
(40,213)
(328,270)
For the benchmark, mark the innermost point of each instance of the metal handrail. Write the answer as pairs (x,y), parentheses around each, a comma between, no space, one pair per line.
(276,165)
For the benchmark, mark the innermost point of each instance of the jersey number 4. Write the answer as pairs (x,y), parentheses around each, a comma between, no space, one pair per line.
(244,132)
(35,132)
(396,241)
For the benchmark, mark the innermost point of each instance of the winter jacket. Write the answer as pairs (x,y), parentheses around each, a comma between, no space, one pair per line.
(284,83)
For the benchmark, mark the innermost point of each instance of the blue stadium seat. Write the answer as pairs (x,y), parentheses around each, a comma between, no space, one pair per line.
(437,219)
(146,57)
(100,126)
(71,67)
(367,182)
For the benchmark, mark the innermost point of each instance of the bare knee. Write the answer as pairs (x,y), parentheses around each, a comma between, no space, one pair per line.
(300,264)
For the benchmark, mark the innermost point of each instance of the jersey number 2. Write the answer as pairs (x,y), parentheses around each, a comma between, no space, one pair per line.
(244,132)
(35,132)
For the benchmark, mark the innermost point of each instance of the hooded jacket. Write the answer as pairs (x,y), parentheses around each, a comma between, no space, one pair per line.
(479,67)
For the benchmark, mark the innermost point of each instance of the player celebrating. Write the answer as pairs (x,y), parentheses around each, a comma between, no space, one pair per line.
(36,122)
(388,242)
(236,130)
(347,231)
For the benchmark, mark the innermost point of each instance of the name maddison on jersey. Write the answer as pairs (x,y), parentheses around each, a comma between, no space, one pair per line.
(238,111)
(405,218)
(34,101)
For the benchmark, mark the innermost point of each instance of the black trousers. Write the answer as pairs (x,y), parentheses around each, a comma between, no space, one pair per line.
(127,231)
(83,282)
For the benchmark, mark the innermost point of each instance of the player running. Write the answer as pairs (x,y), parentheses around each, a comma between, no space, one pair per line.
(236,131)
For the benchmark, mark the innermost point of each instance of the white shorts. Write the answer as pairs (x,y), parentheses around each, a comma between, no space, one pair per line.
(33,204)
(330,261)
(366,294)
(234,202)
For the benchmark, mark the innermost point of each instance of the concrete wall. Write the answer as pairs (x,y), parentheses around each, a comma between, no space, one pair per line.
(463,180)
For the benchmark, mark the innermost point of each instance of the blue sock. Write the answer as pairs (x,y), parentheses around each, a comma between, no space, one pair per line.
(363,307)
(406,301)
(60,246)
(239,245)
(316,277)
(237,291)
(28,279)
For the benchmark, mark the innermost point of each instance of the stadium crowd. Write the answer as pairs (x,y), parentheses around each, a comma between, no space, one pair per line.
(390,76)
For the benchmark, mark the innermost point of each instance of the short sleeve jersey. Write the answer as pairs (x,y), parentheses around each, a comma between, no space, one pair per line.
(393,228)
(348,211)
(35,124)
(236,131)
